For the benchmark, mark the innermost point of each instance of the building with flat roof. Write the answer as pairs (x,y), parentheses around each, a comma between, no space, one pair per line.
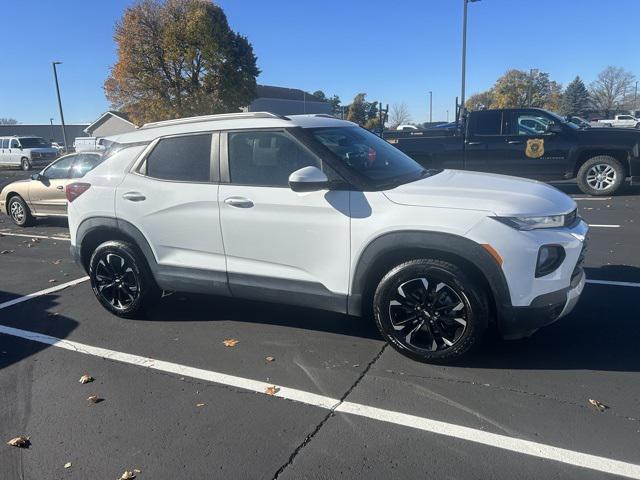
(52,133)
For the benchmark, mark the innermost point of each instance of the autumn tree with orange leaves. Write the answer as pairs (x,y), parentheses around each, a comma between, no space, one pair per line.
(179,58)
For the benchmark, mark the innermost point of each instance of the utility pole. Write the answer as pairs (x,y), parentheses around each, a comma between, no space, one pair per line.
(447,116)
(53,135)
(464,52)
(635,98)
(64,133)
(430,106)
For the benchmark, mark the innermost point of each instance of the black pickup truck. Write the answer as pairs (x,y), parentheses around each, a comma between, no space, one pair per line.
(531,143)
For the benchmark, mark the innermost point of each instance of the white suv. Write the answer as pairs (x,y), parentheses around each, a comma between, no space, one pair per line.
(315,211)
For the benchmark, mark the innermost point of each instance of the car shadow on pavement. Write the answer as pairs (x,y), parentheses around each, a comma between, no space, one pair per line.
(14,349)
(194,308)
(602,332)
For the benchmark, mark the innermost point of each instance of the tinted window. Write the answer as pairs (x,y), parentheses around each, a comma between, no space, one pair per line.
(34,142)
(487,123)
(185,159)
(367,154)
(266,158)
(84,163)
(59,169)
(532,124)
(5,143)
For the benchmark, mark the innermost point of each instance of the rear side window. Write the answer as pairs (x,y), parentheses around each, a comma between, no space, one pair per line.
(84,163)
(5,143)
(184,159)
(487,123)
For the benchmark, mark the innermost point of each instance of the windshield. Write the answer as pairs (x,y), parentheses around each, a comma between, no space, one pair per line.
(369,155)
(34,142)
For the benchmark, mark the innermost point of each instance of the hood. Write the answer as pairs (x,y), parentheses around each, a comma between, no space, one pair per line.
(43,149)
(499,194)
(8,185)
(604,133)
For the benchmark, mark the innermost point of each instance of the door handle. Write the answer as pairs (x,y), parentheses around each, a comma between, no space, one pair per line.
(134,196)
(514,142)
(60,187)
(474,143)
(240,202)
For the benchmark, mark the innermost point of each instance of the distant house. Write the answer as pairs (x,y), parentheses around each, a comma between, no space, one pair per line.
(110,123)
(286,101)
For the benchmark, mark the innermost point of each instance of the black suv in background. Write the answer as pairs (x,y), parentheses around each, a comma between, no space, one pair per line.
(531,143)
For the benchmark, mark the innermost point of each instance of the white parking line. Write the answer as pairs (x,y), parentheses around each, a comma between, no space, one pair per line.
(591,198)
(603,226)
(46,291)
(610,282)
(11,234)
(540,450)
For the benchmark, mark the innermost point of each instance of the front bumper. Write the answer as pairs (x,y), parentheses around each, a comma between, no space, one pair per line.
(522,322)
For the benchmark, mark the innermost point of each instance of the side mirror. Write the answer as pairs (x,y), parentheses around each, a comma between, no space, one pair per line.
(554,128)
(308,179)
(35,176)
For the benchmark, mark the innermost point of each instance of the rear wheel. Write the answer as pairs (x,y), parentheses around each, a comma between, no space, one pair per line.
(430,310)
(121,279)
(601,175)
(19,212)
(25,165)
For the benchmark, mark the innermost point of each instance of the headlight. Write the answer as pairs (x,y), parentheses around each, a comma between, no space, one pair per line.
(536,222)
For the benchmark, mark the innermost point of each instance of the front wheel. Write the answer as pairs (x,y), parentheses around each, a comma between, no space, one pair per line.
(121,279)
(19,212)
(430,310)
(601,175)
(25,165)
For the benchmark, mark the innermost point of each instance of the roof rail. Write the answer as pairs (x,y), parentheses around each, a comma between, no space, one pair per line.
(211,118)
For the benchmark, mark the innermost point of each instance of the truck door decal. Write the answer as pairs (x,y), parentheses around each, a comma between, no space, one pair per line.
(535,148)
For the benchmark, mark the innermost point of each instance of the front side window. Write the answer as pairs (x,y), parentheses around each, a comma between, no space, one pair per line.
(14,144)
(532,124)
(368,155)
(184,159)
(84,163)
(60,169)
(266,158)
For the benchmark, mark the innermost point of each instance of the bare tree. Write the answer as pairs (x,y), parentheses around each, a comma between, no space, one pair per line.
(610,88)
(8,121)
(399,115)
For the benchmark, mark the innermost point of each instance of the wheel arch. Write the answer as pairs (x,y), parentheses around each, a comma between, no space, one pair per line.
(619,154)
(8,198)
(383,253)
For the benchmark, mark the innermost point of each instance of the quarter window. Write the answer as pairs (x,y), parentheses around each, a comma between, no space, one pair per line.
(184,159)
(266,158)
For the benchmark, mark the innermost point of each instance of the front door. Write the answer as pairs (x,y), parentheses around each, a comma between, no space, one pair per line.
(279,242)
(172,199)
(47,196)
(536,153)
(15,153)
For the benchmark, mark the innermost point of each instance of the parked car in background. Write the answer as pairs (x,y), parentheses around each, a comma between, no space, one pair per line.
(88,144)
(578,121)
(315,211)
(511,142)
(44,193)
(622,121)
(406,127)
(26,152)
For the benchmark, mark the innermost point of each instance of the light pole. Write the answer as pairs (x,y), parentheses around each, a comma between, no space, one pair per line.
(635,98)
(53,135)
(64,133)
(464,51)
(430,106)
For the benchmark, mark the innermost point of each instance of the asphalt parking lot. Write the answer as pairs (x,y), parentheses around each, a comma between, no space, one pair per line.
(178,403)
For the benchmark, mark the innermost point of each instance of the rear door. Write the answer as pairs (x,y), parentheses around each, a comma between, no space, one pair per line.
(171,197)
(486,145)
(4,151)
(47,196)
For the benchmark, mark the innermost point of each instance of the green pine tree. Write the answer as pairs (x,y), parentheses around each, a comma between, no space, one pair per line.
(576,99)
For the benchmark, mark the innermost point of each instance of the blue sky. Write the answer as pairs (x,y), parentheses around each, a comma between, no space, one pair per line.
(393,51)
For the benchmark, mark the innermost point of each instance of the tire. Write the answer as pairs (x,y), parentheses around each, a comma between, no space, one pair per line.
(638,125)
(601,175)
(121,279)
(19,212)
(450,311)
(25,165)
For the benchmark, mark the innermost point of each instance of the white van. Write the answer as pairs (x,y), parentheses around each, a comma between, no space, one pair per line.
(88,144)
(26,152)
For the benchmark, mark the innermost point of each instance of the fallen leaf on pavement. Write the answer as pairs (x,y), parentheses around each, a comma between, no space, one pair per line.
(94,399)
(272,390)
(35,240)
(200,404)
(137,470)
(269,359)
(599,405)
(20,442)
(4,252)
(53,280)
(86,378)
(127,475)
(231,342)
(56,262)
(67,465)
